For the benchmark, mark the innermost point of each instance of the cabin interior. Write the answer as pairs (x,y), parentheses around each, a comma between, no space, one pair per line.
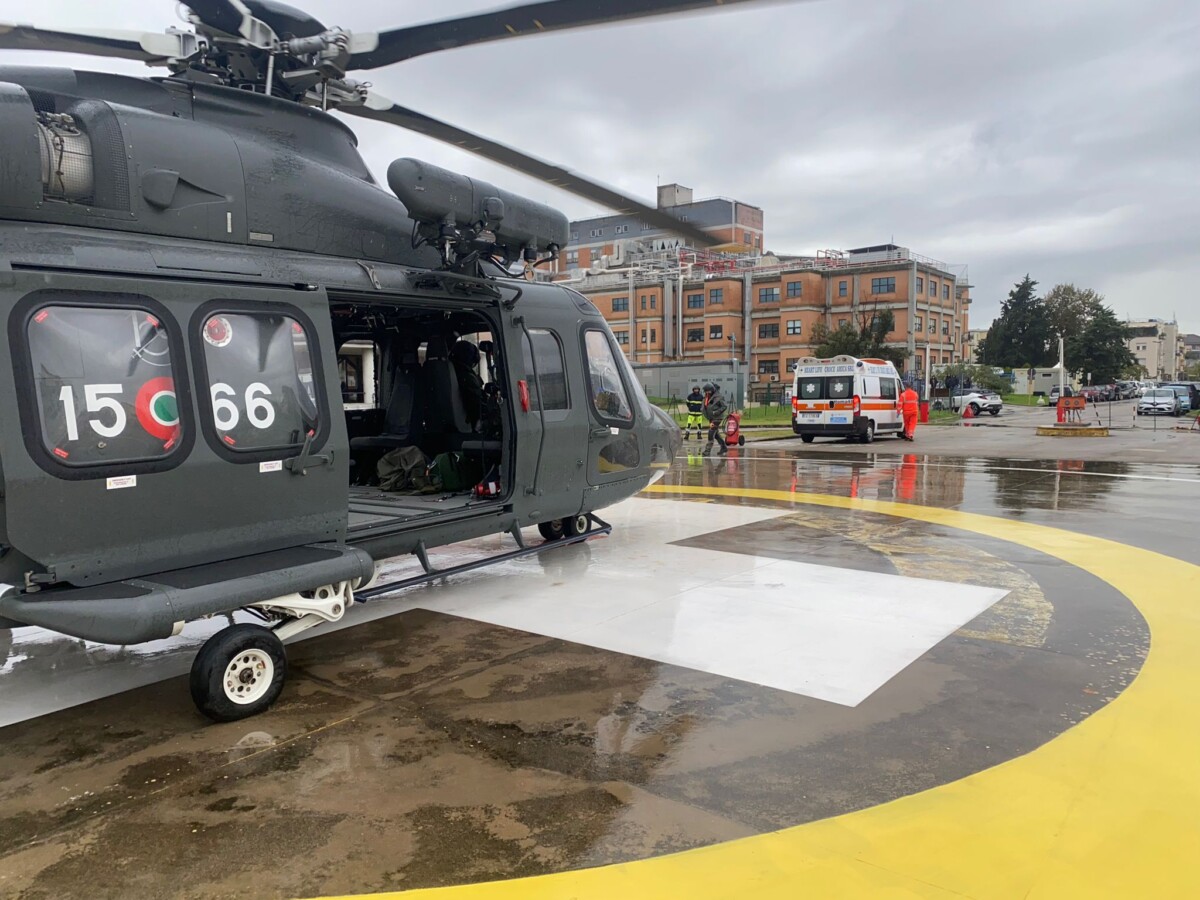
(424,397)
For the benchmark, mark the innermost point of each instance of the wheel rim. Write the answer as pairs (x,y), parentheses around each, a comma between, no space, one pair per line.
(248,676)
(581,524)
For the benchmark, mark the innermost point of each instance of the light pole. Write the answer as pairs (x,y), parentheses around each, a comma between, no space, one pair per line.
(733,344)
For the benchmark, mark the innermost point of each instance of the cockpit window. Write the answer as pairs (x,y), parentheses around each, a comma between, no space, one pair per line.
(260,380)
(609,398)
(105,385)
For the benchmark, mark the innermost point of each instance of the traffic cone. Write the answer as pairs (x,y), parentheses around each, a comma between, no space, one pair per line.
(967,414)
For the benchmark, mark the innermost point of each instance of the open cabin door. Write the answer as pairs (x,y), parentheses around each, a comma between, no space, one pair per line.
(166,424)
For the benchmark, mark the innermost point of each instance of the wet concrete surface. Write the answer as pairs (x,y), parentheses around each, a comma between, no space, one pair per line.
(426,749)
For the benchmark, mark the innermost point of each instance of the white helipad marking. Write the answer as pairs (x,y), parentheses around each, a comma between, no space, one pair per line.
(836,634)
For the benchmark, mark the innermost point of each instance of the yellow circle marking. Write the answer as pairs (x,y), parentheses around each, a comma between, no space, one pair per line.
(1109,808)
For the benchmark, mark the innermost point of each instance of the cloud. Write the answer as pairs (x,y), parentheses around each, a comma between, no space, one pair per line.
(1057,138)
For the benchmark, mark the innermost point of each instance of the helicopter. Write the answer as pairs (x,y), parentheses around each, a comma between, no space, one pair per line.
(240,374)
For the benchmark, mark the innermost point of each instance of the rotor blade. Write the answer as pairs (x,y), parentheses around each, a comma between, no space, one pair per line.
(95,42)
(373,50)
(384,110)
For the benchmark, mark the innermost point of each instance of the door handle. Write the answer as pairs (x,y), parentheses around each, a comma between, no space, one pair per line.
(601,432)
(299,465)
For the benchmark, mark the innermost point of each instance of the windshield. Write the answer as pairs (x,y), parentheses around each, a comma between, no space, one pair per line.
(1160,393)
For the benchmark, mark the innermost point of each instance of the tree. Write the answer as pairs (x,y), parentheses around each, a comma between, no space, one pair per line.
(869,339)
(1102,349)
(1095,341)
(1020,337)
(967,376)
(1068,309)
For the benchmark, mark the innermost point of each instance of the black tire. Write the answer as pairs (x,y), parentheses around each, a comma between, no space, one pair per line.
(577,525)
(741,440)
(807,438)
(974,408)
(244,648)
(868,436)
(553,530)
(993,411)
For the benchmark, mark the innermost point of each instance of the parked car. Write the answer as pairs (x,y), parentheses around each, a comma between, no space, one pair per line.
(1053,398)
(1184,393)
(1192,392)
(1093,393)
(1159,402)
(978,401)
(1126,390)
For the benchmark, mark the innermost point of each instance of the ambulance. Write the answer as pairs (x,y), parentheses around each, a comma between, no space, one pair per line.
(846,397)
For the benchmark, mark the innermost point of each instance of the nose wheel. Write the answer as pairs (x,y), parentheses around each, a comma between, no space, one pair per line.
(239,672)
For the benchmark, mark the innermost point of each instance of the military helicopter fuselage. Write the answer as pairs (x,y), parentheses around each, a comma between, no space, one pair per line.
(238,375)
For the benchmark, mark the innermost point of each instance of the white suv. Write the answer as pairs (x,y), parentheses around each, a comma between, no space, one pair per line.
(978,401)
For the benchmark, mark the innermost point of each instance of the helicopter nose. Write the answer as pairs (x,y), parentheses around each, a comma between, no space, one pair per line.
(666,439)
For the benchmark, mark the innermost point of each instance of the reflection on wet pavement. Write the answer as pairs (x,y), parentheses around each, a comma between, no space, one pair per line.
(424,748)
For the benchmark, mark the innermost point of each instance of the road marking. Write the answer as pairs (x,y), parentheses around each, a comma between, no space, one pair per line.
(1106,809)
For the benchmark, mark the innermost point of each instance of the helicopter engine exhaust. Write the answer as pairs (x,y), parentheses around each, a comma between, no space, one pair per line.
(465,216)
(66,154)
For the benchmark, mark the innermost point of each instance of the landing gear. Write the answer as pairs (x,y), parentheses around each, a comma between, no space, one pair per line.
(556,529)
(239,672)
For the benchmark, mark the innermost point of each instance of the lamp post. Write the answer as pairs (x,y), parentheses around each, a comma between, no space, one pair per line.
(733,343)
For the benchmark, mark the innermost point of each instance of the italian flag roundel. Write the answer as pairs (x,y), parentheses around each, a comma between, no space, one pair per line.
(157,411)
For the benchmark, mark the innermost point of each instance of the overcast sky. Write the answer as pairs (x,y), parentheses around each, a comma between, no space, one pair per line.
(1055,137)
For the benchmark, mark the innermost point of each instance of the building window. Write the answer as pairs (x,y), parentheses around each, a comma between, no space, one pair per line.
(842,287)
(622,337)
(695,335)
(945,292)
(795,326)
(574,237)
(645,338)
(920,285)
(768,367)
(716,332)
(795,288)
(643,301)
(572,257)
(932,288)
(918,324)
(769,331)
(695,301)
(920,366)
(620,304)
(946,326)
(791,363)
(621,229)
(768,295)
(654,301)
(715,296)
(746,238)
(842,323)
(883,285)
(596,232)
(653,336)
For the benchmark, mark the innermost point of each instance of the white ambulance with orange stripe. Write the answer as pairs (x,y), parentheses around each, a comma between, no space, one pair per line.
(846,397)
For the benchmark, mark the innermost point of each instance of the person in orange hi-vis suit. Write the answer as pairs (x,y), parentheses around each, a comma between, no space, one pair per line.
(908,408)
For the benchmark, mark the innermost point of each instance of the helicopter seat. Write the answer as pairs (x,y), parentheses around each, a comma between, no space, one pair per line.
(445,416)
(401,424)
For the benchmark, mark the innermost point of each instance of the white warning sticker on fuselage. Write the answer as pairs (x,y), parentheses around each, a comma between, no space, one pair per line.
(271,465)
(122,481)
